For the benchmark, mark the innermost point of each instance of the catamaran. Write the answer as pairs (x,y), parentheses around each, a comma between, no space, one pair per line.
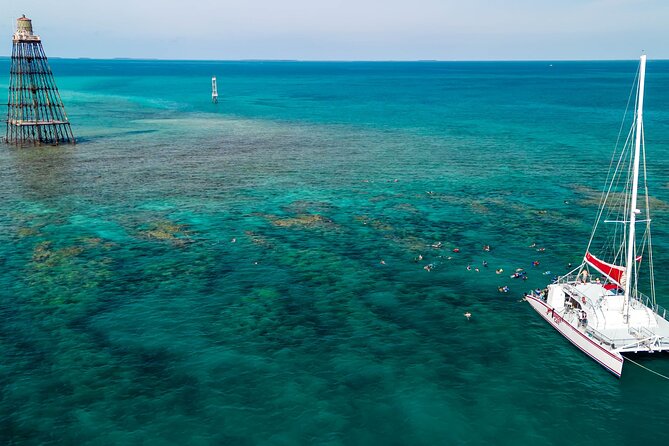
(598,306)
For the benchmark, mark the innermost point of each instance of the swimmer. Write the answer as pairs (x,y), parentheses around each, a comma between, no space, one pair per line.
(485,264)
(468,315)
(436,245)
(476,269)
(469,267)
(535,263)
(428,267)
(456,250)
(383,262)
(533,245)
(233,240)
(499,271)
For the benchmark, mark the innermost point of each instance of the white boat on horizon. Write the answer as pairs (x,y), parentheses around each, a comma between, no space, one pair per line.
(598,306)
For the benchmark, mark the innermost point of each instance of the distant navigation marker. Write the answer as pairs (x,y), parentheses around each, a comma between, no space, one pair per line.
(214,91)
(35,112)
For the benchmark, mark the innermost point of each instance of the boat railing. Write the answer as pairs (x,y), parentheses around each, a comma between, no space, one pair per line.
(648,302)
(575,293)
(572,289)
(568,278)
(641,298)
(582,299)
(641,332)
(601,337)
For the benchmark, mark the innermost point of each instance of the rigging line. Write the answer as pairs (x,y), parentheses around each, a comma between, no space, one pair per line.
(620,131)
(621,208)
(639,251)
(650,241)
(613,182)
(651,371)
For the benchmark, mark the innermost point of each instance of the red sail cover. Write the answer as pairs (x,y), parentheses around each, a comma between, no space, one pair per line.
(613,272)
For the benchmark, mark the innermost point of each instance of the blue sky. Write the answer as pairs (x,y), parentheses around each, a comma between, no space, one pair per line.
(346,29)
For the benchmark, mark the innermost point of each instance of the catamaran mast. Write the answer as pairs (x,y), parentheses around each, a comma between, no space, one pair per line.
(635,186)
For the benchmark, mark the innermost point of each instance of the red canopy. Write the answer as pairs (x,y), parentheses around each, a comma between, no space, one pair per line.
(614,272)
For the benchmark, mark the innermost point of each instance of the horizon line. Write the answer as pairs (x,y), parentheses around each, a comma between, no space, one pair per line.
(337,60)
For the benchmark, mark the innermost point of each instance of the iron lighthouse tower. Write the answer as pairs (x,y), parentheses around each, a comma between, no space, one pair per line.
(35,111)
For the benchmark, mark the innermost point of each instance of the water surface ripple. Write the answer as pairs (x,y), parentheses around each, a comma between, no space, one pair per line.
(249,273)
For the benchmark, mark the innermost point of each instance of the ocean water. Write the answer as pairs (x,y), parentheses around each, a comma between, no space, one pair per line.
(247,272)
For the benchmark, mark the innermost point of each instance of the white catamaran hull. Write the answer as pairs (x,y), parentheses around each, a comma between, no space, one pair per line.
(610,360)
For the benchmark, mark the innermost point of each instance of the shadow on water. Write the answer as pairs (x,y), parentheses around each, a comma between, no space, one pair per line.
(119,134)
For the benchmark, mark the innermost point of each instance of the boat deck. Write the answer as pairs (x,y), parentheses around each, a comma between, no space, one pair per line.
(643,327)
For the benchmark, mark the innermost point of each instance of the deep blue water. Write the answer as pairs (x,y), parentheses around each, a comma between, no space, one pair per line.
(192,273)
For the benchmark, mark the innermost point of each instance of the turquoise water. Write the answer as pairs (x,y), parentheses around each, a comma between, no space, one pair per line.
(192,273)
